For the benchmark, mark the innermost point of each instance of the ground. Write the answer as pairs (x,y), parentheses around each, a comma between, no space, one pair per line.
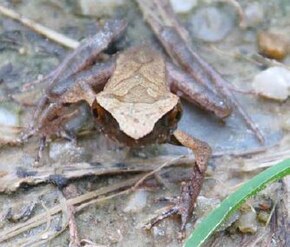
(95,164)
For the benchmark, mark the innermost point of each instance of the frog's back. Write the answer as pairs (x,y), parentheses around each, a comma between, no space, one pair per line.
(137,95)
(140,76)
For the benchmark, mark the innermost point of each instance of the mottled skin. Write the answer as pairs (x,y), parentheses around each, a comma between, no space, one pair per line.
(132,103)
(136,106)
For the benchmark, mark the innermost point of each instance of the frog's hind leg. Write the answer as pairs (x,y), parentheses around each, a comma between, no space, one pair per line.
(184,204)
(186,87)
(191,189)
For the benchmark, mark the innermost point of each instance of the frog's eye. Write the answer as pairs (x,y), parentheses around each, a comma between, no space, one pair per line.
(175,114)
(96,109)
(178,115)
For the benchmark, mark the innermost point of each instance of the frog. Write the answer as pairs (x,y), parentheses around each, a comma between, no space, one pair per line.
(134,98)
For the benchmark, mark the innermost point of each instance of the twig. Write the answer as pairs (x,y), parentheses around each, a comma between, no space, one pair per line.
(47,32)
(16,177)
(266,160)
(41,242)
(73,229)
(254,58)
(41,218)
(94,201)
(271,214)
(38,236)
(149,174)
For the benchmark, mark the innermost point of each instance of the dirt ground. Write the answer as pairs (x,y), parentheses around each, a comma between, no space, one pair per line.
(35,202)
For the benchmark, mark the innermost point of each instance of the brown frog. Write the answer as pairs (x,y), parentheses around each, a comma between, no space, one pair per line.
(131,101)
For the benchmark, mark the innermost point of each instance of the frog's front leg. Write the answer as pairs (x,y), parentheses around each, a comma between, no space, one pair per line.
(184,204)
(53,107)
(199,94)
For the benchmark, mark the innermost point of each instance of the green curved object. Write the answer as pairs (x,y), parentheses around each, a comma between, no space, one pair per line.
(207,227)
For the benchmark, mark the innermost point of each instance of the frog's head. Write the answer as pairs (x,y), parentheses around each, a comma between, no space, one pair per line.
(137,121)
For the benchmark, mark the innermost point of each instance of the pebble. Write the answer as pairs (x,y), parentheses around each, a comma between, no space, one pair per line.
(247,222)
(7,117)
(205,205)
(137,201)
(254,14)
(211,24)
(273,83)
(273,45)
(263,217)
(158,232)
(182,6)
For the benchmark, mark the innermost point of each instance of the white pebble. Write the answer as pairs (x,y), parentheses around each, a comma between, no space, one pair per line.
(273,83)
(211,24)
(8,118)
(137,201)
(247,222)
(183,6)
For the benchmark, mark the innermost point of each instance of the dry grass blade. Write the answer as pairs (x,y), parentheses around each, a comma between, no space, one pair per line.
(11,179)
(169,162)
(42,218)
(47,32)
(265,160)
(83,201)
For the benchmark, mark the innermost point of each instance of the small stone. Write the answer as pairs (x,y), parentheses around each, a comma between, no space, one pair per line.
(273,83)
(22,50)
(211,24)
(9,121)
(157,232)
(263,217)
(254,14)
(7,117)
(182,6)
(205,205)
(137,201)
(273,45)
(247,222)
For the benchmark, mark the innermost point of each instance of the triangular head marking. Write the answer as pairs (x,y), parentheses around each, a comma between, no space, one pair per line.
(137,95)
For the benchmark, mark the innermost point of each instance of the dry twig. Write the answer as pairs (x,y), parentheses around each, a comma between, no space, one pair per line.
(41,218)
(149,174)
(83,201)
(47,32)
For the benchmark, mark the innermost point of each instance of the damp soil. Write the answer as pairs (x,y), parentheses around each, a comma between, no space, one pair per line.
(69,170)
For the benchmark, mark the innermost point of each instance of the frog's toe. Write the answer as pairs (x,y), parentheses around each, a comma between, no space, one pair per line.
(26,134)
